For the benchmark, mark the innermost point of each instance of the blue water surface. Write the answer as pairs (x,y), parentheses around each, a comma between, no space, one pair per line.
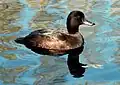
(101,47)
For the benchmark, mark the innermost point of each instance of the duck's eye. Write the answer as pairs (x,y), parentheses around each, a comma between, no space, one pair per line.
(78,16)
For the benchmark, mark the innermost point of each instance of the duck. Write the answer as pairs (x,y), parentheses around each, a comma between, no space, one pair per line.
(57,42)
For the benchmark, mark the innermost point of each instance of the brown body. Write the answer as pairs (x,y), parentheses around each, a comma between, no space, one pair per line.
(54,43)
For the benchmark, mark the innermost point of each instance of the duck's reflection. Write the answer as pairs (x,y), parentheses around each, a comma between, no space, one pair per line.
(75,68)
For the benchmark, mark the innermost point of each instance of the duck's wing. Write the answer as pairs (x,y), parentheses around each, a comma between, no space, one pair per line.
(35,38)
(41,32)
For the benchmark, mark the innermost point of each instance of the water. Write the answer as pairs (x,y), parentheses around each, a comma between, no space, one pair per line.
(21,66)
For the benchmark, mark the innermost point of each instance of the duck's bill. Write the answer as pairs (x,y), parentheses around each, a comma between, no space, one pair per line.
(86,22)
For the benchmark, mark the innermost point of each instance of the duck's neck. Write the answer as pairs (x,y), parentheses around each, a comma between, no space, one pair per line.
(72,29)
(72,26)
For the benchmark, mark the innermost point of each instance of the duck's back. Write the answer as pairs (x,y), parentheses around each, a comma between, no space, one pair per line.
(53,41)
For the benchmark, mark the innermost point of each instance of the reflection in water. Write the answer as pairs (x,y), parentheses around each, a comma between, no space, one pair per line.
(74,66)
(9,75)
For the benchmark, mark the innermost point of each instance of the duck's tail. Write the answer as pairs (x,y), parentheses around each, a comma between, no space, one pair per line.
(20,40)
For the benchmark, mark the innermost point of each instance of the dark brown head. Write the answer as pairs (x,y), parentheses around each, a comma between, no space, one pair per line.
(76,18)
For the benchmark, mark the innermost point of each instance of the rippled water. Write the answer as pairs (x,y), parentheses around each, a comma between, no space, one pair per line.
(21,66)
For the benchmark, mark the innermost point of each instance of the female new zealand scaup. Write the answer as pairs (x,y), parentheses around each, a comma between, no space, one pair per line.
(57,42)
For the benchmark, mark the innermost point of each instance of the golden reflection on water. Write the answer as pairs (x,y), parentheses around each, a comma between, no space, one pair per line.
(9,75)
(41,22)
(9,14)
(10,56)
(5,48)
(38,3)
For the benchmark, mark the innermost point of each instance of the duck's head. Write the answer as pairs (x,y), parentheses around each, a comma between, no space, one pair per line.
(76,18)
